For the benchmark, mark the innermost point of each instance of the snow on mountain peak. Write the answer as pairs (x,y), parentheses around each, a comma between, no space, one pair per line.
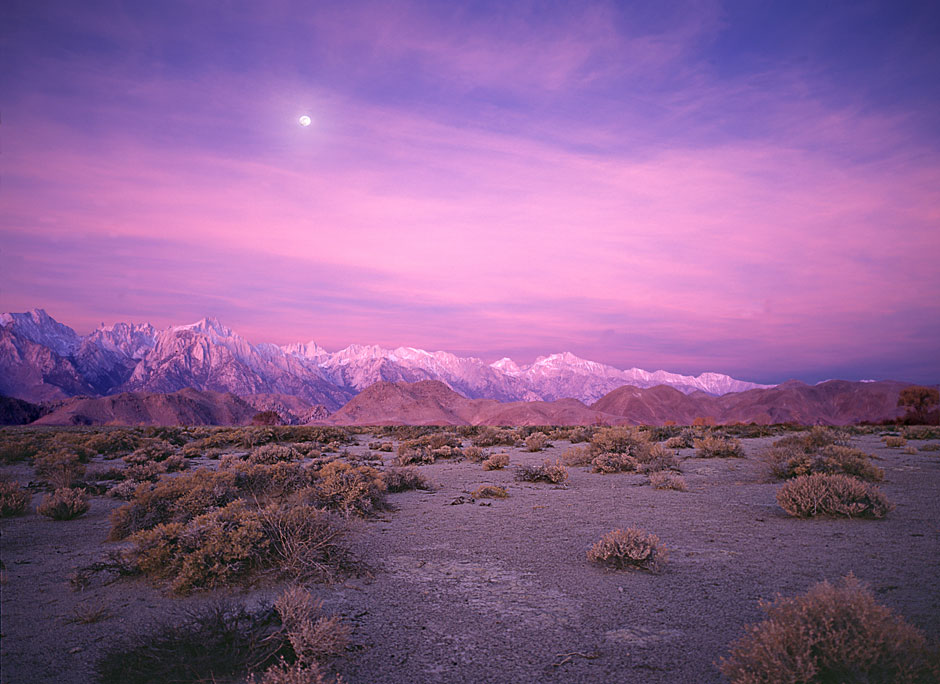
(41,328)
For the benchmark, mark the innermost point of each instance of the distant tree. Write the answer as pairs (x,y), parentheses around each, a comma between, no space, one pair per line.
(266,418)
(918,401)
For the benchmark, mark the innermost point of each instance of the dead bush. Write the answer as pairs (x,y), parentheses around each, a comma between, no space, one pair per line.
(536,441)
(630,548)
(577,456)
(614,463)
(64,504)
(668,480)
(551,472)
(818,494)
(496,462)
(714,446)
(833,633)
(489,492)
(404,479)
(349,489)
(60,468)
(13,499)
(212,643)
(893,442)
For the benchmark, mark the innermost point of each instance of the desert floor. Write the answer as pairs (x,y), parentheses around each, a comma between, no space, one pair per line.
(501,590)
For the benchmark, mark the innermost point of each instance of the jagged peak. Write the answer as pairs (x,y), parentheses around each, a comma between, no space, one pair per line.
(206,325)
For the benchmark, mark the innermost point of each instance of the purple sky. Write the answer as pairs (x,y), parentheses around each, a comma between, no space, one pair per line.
(751,188)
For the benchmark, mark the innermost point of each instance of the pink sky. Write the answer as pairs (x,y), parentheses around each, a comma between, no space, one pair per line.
(643,191)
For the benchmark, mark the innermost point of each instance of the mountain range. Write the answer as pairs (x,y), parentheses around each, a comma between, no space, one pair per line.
(44,360)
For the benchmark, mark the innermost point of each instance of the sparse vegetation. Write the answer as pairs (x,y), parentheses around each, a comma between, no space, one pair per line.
(819,494)
(496,462)
(833,633)
(894,442)
(630,548)
(348,489)
(551,472)
(64,504)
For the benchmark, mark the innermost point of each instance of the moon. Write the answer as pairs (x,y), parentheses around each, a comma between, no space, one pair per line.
(305,120)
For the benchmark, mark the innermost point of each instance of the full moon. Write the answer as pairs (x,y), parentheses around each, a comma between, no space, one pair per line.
(304,120)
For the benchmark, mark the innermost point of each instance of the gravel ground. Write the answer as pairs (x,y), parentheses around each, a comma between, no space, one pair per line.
(501,590)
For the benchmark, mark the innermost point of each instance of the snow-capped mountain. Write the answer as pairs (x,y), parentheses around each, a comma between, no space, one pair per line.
(42,359)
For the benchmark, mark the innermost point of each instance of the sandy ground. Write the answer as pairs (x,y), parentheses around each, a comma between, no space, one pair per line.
(502,591)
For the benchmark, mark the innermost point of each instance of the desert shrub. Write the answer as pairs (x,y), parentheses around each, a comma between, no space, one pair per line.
(788,462)
(489,492)
(536,441)
(920,432)
(273,453)
(551,472)
(111,443)
(348,489)
(404,479)
(491,436)
(380,446)
(677,442)
(714,446)
(214,549)
(577,456)
(313,636)
(211,643)
(306,542)
(833,633)
(263,482)
(655,458)
(13,499)
(152,451)
(614,463)
(579,434)
(496,462)
(60,468)
(931,446)
(910,450)
(144,472)
(618,440)
(836,495)
(411,453)
(178,499)
(665,479)
(64,504)
(630,548)
(13,449)
(175,463)
(123,490)
(475,454)
(893,442)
